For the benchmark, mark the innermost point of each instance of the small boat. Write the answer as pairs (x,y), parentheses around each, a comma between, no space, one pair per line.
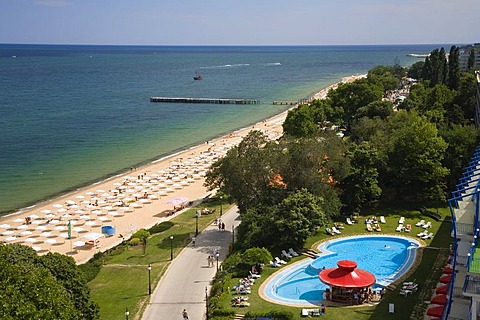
(197,77)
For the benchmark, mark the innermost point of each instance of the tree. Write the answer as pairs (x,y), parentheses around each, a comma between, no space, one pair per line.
(361,186)
(349,97)
(415,70)
(454,68)
(247,173)
(415,159)
(300,122)
(381,109)
(36,287)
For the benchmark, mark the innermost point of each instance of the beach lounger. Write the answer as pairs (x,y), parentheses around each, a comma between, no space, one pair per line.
(423,233)
(280,261)
(428,236)
(382,219)
(335,230)
(399,228)
(401,220)
(338,225)
(420,223)
(427,225)
(254,275)
(350,222)
(286,255)
(293,252)
(369,227)
(329,231)
(408,228)
(274,264)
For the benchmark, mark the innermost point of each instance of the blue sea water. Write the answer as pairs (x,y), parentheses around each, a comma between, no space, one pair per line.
(72,115)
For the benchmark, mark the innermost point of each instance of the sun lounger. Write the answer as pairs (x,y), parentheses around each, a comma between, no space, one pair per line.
(423,233)
(405,293)
(369,227)
(339,226)
(254,275)
(280,261)
(428,236)
(399,228)
(335,230)
(382,219)
(420,223)
(350,222)
(329,231)
(274,264)
(427,225)
(293,252)
(401,220)
(408,228)
(286,255)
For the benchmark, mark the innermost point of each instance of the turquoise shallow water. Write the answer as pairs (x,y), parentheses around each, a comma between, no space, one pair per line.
(71,115)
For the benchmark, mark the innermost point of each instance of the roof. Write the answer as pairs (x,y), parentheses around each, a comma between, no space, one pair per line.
(347,276)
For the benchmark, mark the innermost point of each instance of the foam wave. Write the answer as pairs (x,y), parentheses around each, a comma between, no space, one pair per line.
(224,66)
(274,64)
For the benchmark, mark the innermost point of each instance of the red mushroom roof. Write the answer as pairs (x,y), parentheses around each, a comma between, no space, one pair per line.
(346,276)
(435,311)
(439,299)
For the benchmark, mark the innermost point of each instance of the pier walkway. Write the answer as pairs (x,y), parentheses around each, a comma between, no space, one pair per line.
(204,100)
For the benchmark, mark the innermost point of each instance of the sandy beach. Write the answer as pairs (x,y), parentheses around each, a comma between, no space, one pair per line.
(136,199)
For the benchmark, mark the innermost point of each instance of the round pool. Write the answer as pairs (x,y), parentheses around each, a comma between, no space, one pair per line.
(387,257)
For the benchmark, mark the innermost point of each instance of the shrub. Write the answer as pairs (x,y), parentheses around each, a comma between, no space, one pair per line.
(275,315)
(160,227)
(141,234)
(134,242)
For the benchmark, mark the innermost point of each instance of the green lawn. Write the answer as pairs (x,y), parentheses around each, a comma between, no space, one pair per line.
(123,281)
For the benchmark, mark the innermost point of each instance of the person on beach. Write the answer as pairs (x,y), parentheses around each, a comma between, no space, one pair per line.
(185,314)
(193,240)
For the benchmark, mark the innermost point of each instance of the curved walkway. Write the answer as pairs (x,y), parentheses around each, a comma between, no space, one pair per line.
(183,284)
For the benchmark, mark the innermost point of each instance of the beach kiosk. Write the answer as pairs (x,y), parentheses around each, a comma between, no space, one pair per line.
(347,283)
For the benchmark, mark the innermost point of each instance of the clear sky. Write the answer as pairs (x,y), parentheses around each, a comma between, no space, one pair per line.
(240,22)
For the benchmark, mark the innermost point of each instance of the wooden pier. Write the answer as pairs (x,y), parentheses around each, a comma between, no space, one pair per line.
(291,102)
(204,100)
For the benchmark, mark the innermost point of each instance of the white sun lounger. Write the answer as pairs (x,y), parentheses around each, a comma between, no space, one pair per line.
(349,221)
(420,223)
(280,261)
(399,228)
(428,236)
(286,255)
(423,233)
(336,230)
(293,252)
(382,219)
(427,225)
(401,220)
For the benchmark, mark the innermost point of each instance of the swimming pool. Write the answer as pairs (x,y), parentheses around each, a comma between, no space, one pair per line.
(387,257)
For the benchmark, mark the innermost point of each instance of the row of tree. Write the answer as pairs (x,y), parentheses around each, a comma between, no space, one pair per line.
(413,152)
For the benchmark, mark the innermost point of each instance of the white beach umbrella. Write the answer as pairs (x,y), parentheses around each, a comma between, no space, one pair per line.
(54,221)
(78,244)
(18,220)
(22,227)
(80,197)
(41,228)
(85,217)
(79,211)
(34,216)
(91,223)
(50,241)
(37,248)
(59,228)
(4,226)
(90,193)
(145,201)
(30,240)
(63,210)
(45,234)
(56,205)
(10,239)
(78,229)
(70,202)
(39,221)
(25,233)
(8,232)
(97,212)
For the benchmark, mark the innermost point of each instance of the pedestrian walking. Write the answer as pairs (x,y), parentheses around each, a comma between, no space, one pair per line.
(185,314)
(193,240)
(210,262)
(223,226)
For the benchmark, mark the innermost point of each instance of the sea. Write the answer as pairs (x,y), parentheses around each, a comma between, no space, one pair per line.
(73,115)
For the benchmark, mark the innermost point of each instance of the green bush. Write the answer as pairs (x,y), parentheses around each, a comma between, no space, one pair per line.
(276,315)
(92,267)
(160,227)
(135,242)
(141,234)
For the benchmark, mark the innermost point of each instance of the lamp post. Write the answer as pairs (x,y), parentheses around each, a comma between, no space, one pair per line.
(233,236)
(217,255)
(127,313)
(149,268)
(196,222)
(206,303)
(171,248)
(221,206)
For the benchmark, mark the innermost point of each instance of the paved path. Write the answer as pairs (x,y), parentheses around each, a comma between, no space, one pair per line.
(183,284)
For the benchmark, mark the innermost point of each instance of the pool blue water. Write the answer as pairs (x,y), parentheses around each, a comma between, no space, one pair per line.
(387,257)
